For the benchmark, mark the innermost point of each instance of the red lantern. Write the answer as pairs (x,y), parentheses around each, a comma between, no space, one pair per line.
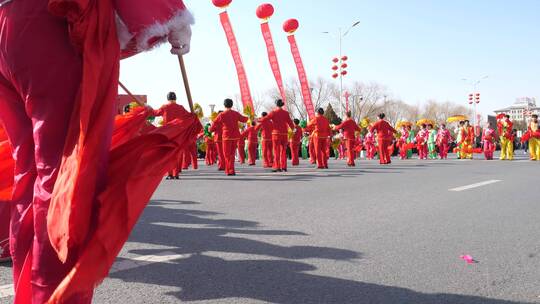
(265,11)
(335,75)
(471,102)
(290,26)
(221,3)
(344,66)
(344,58)
(335,60)
(335,68)
(343,73)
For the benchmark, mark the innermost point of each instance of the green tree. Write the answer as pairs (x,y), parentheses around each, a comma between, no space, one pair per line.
(331,115)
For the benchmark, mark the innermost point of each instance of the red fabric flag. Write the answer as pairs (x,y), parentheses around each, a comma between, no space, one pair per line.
(304,83)
(233,44)
(7,167)
(273,59)
(128,126)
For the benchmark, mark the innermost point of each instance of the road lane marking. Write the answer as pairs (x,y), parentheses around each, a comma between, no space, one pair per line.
(477,185)
(120,265)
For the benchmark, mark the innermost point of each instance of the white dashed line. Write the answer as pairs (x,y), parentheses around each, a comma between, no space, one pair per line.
(477,185)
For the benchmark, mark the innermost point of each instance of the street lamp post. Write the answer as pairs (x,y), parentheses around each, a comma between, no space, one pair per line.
(342,63)
(474,98)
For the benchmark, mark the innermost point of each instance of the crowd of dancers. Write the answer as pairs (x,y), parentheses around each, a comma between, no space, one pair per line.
(274,138)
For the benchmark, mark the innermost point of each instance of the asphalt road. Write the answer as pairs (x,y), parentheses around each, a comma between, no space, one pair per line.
(372,234)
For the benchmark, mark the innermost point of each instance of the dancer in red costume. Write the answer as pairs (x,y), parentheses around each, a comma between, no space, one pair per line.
(421,142)
(211,152)
(170,112)
(295,142)
(349,127)
(321,132)
(253,141)
(281,122)
(217,129)
(5,211)
(266,128)
(385,135)
(61,134)
(444,138)
(231,133)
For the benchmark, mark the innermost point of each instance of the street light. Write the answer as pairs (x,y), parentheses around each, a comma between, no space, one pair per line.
(474,97)
(341,61)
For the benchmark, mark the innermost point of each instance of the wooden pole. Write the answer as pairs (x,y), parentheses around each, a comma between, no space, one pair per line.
(186,82)
(139,102)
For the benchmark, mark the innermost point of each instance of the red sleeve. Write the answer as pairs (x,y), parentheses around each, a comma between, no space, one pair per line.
(242,118)
(159,112)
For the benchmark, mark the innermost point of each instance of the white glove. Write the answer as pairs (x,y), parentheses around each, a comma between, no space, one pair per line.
(180,40)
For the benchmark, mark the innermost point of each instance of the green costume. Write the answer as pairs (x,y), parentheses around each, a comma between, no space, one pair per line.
(432,140)
(410,140)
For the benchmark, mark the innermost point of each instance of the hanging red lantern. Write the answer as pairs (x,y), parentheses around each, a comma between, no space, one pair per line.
(335,75)
(265,11)
(290,26)
(335,60)
(221,3)
(335,68)
(343,73)
(344,66)
(344,58)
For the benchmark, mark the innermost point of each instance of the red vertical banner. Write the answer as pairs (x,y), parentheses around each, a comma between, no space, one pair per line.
(304,84)
(273,59)
(242,76)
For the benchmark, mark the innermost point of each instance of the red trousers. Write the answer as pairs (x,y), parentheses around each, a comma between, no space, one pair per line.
(312,151)
(295,151)
(351,154)
(229,151)
(252,152)
(177,169)
(321,151)
(267,152)
(242,151)
(443,151)
(191,156)
(280,143)
(36,103)
(221,155)
(370,150)
(422,151)
(384,152)
(211,152)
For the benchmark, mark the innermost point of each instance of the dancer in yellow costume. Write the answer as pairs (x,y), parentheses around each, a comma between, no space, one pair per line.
(534,140)
(504,126)
(467,141)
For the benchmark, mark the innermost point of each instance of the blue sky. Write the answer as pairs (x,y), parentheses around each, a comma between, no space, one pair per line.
(419,49)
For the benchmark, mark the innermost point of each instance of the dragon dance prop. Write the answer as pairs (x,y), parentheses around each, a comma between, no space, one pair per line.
(290,26)
(265,12)
(235,52)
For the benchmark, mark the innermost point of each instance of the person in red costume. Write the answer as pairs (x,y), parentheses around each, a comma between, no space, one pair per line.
(321,132)
(349,127)
(295,143)
(251,135)
(281,122)
(385,136)
(170,112)
(231,133)
(217,129)
(211,152)
(61,130)
(266,128)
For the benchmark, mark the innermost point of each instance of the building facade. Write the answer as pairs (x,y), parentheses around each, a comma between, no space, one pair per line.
(522,109)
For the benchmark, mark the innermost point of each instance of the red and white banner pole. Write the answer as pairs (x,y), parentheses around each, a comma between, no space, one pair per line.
(264,12)
(290,26)
(235,52)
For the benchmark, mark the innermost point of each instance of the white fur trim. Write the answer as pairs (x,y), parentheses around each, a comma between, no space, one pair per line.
(124,36)
(180,21)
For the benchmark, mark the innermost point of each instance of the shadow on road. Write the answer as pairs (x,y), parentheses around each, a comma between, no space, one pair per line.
(275,276)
